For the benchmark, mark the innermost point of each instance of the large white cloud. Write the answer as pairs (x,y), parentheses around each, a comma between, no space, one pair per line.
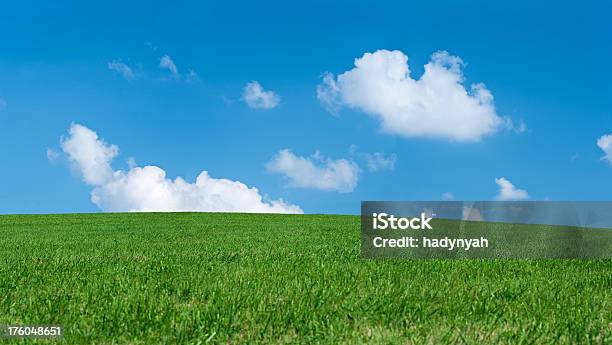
(605,144)
(435,105)
(149,189)
(507,191)
(256,97)
(315,172)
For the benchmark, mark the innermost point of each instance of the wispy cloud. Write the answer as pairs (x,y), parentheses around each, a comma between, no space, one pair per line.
(52,155)
(375,161)
(121,68)
(379,161)
(166,62)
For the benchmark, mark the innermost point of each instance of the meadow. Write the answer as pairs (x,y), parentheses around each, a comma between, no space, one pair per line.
(197,278)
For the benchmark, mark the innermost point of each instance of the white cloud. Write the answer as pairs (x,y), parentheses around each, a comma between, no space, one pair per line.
(52,155)
(435,105)
(507,191)
(122,69)
(315,172)
(379,161)
(258,98)
(148,189)
(90,155)
(605,144)
(328,94)
(167,63)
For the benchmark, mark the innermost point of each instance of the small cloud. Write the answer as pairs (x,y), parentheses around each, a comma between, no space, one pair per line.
(507,191)
(448,196)
(2,104)
(317,172)
(605,144)
(52,155)
(519,128)
(379,161)
(376,161)
(167,63)
(122,69)
(258,98)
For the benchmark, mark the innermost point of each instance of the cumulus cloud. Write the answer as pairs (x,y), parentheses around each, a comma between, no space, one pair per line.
(379,161)
(149,189)
(435,105)
(122,69)
(605,144)
(507,191)
(315,172)
(167,63)
(89,154)
(258,98)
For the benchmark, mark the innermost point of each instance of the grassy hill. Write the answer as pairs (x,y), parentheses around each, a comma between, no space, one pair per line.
(193,278)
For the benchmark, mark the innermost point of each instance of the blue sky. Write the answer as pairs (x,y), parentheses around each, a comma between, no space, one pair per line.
(546,65)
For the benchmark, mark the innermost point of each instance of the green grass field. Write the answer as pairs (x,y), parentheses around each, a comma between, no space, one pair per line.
(193,278)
